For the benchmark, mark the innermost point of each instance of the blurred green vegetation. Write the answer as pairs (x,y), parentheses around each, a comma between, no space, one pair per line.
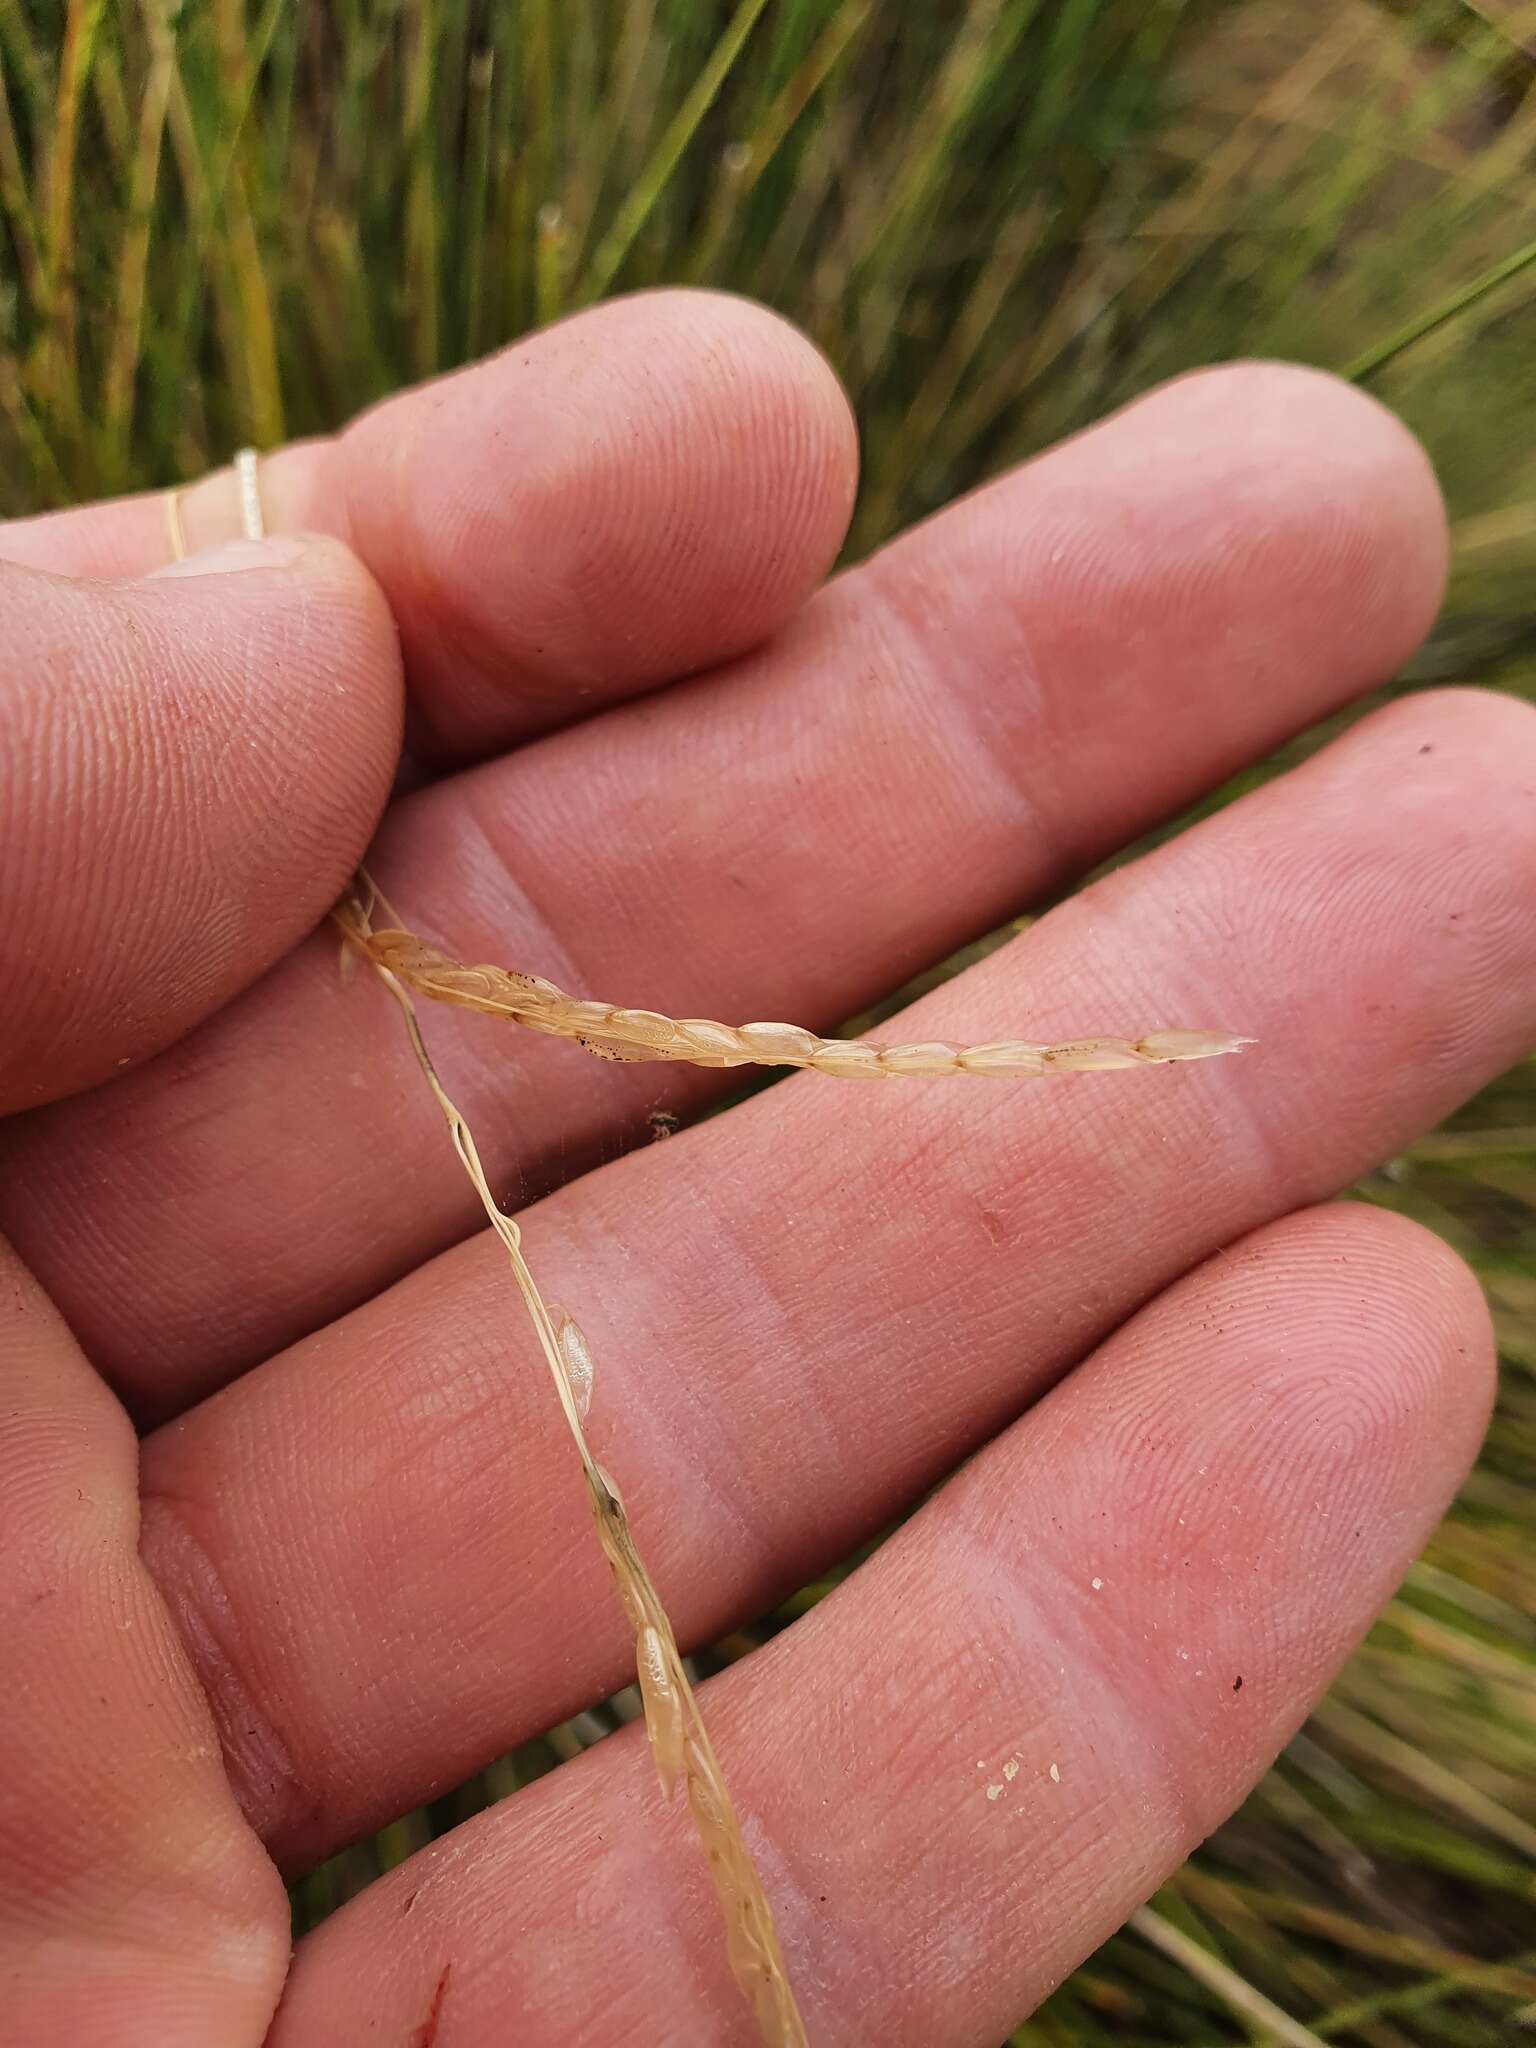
(236,220)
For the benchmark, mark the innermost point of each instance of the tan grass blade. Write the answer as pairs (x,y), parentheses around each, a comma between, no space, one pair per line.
(1207,1968)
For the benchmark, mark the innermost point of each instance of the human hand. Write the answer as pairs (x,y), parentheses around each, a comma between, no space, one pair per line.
(1213,1422)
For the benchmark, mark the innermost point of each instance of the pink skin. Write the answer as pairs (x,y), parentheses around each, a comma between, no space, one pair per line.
(136,1907)
(149,729)
(900,768)
(602,507)
(927,1262)
(360,1562)
(1243,1485)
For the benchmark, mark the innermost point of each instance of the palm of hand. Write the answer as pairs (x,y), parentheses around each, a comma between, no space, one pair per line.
(1217,1421)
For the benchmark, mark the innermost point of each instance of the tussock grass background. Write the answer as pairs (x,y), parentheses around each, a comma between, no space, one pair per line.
(234,220)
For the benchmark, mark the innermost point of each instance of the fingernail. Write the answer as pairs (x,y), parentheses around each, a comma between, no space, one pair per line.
(278,551)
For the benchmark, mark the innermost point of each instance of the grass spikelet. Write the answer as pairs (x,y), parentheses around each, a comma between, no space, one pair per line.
(578,1360)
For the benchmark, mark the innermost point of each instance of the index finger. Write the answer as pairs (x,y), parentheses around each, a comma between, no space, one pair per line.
(643,489)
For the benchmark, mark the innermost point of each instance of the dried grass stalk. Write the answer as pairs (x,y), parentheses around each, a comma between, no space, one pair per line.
(679,1742)
(615,1033)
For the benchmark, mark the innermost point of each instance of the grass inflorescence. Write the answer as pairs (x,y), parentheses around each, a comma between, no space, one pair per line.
(613,1032)
(680,1744)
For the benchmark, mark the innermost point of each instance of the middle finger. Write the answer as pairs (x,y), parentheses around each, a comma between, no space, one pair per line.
(997,701)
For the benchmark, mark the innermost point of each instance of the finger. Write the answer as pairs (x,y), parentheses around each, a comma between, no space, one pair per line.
(807,1311)
(650,486)
(950,731)
(970,1763)
(136,1907)
(192,766)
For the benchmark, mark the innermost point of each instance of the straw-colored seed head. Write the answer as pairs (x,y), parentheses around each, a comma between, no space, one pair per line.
(614,1032)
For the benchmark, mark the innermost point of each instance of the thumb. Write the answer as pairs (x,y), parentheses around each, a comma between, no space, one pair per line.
(136,1906)
(190,766)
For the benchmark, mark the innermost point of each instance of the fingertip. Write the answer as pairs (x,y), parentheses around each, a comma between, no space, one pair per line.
(1453,777)
(295,636)
(1393,1359)
(1343,501)
(1425,1290)
(752,436)
(197,762)
(799,392)
(1467,720)
(651,485)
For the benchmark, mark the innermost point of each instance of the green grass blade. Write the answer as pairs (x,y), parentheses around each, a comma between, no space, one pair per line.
(608,258)
(1374,359)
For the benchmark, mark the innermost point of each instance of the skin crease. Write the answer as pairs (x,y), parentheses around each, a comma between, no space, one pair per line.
(357,1565)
